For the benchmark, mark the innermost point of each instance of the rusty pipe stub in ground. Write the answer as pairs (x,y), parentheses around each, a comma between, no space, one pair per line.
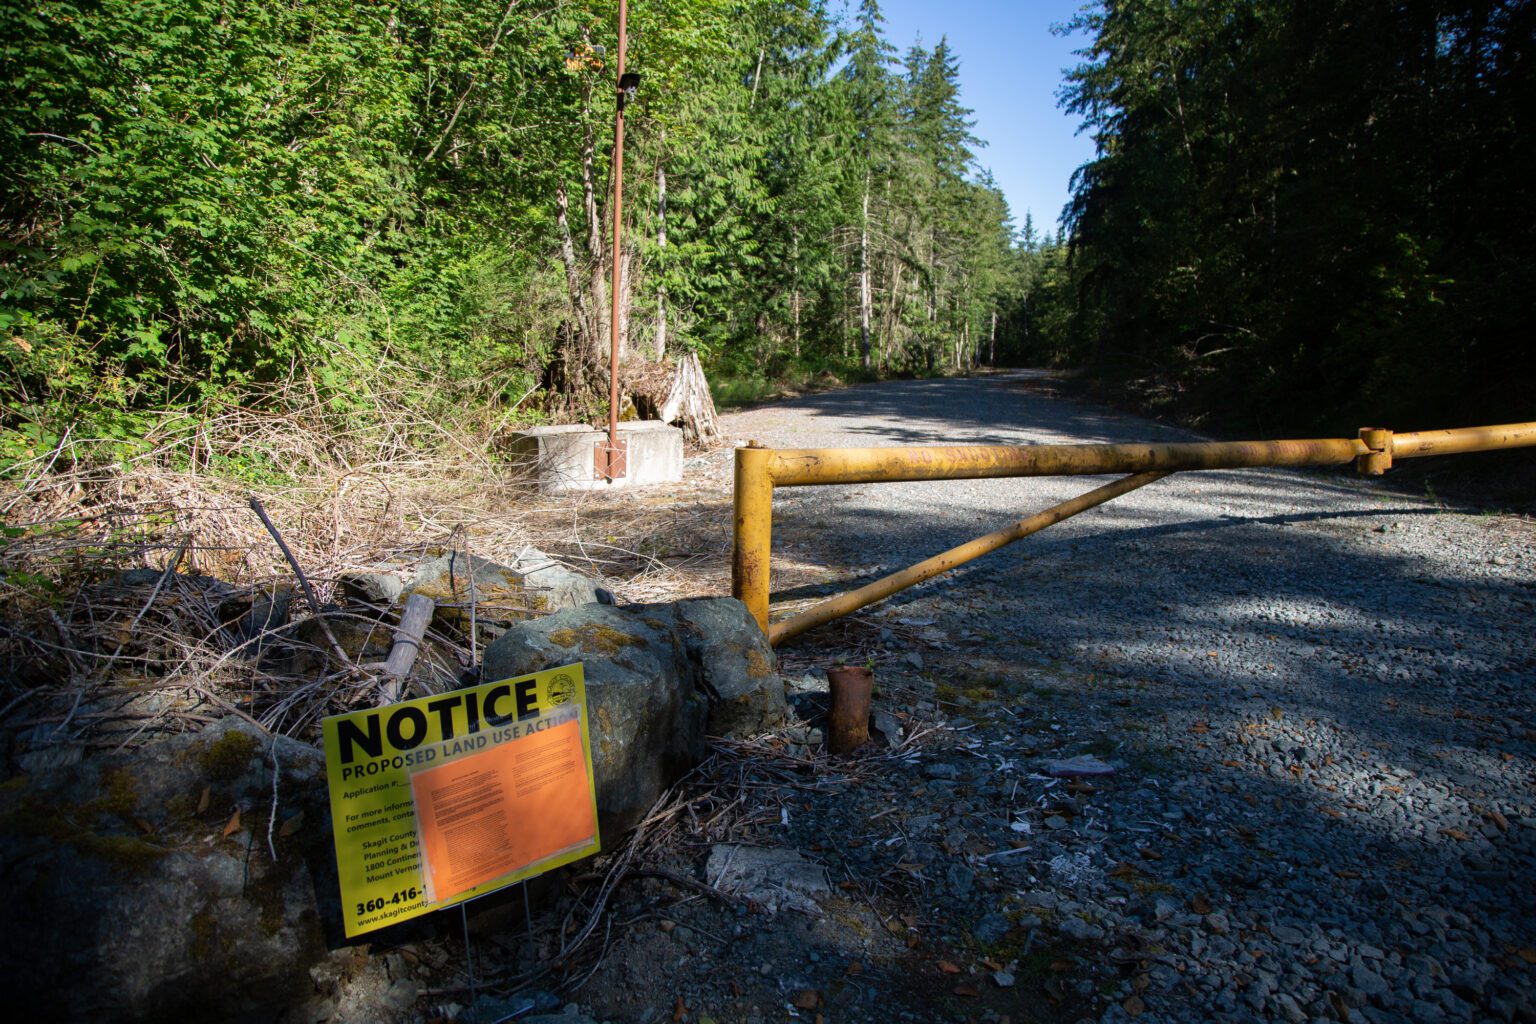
(851,687)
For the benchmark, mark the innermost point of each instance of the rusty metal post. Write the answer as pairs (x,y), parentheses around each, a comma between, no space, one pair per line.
(842,604)
(1378,459)
(610,456)
(753,532)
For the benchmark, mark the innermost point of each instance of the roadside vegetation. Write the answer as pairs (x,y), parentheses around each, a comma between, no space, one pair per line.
(1301,215)
(316,250)
(332,247)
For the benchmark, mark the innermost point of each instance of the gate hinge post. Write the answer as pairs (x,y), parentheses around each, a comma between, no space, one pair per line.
(1379,459)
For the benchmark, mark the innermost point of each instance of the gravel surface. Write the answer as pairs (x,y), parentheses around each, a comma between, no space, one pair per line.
(1314,696)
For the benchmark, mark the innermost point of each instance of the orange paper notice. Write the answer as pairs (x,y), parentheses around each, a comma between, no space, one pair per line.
(503,809)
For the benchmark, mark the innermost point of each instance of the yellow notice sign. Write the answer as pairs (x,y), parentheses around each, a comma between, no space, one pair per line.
(438,800)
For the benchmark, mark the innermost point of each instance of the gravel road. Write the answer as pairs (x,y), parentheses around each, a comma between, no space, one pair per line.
(1315,693)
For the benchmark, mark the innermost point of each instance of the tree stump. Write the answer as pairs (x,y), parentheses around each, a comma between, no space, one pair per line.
(679,395)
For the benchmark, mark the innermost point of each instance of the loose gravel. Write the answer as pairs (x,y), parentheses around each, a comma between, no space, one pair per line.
(1316,696)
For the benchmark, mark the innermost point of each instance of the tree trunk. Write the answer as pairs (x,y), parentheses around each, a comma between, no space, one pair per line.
(626,299)
(581,336)
(597,249)
(866,298)
(794,295)
(690,402)
(894,303)
(660,351)
(757,76)
(992,342)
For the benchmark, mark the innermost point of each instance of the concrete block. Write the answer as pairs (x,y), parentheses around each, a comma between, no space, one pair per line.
(562,458)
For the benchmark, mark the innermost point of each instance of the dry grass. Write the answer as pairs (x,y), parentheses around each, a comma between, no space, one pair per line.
(84,644)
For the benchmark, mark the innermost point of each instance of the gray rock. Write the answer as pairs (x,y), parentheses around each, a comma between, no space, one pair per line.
(1287,934)
(127,903)
(1289,1009)
(658,678)
(770,878)
(1467,985)
(257,613)
(1422,1012)
(887,726)
(1082,766)
(502,594)
(554,584)
(374,587)
(1078,930)
(991,929)
(1367,980)
(736,666)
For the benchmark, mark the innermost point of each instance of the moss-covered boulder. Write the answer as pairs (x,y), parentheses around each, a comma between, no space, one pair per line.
(736,666)
(142,885)
(659,677)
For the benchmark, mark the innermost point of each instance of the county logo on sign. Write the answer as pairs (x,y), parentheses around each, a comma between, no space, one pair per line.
(561,689)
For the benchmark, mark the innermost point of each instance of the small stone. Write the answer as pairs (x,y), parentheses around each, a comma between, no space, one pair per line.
(1082,766)
(939,770)
(375,587)
(1367,980)
(1002,979)
(1289,1009)
(1056,822)
(1078,930)
(887,725)
(1467,985)
(1422,1012)
(991,929)
(1287,934)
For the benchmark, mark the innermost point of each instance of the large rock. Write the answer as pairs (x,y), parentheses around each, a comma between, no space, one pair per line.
(128,900)
(658,678)
(535,584)
(736,666)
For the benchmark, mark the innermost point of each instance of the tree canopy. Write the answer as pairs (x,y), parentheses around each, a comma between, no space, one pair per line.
(205,199)
(1305,211)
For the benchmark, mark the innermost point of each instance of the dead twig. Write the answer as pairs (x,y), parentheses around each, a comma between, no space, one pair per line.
(309,591)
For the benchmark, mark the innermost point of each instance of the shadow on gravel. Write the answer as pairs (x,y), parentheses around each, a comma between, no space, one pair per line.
(1317,699)
(1239,604)
(1005,404)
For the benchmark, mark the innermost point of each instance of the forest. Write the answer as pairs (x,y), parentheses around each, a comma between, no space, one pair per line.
(219,204)
(1298,213)
(1304,213)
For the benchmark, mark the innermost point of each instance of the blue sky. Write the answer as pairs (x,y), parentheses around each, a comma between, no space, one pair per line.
(1010,69)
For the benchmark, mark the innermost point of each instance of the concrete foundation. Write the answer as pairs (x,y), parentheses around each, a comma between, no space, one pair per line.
(563,458)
